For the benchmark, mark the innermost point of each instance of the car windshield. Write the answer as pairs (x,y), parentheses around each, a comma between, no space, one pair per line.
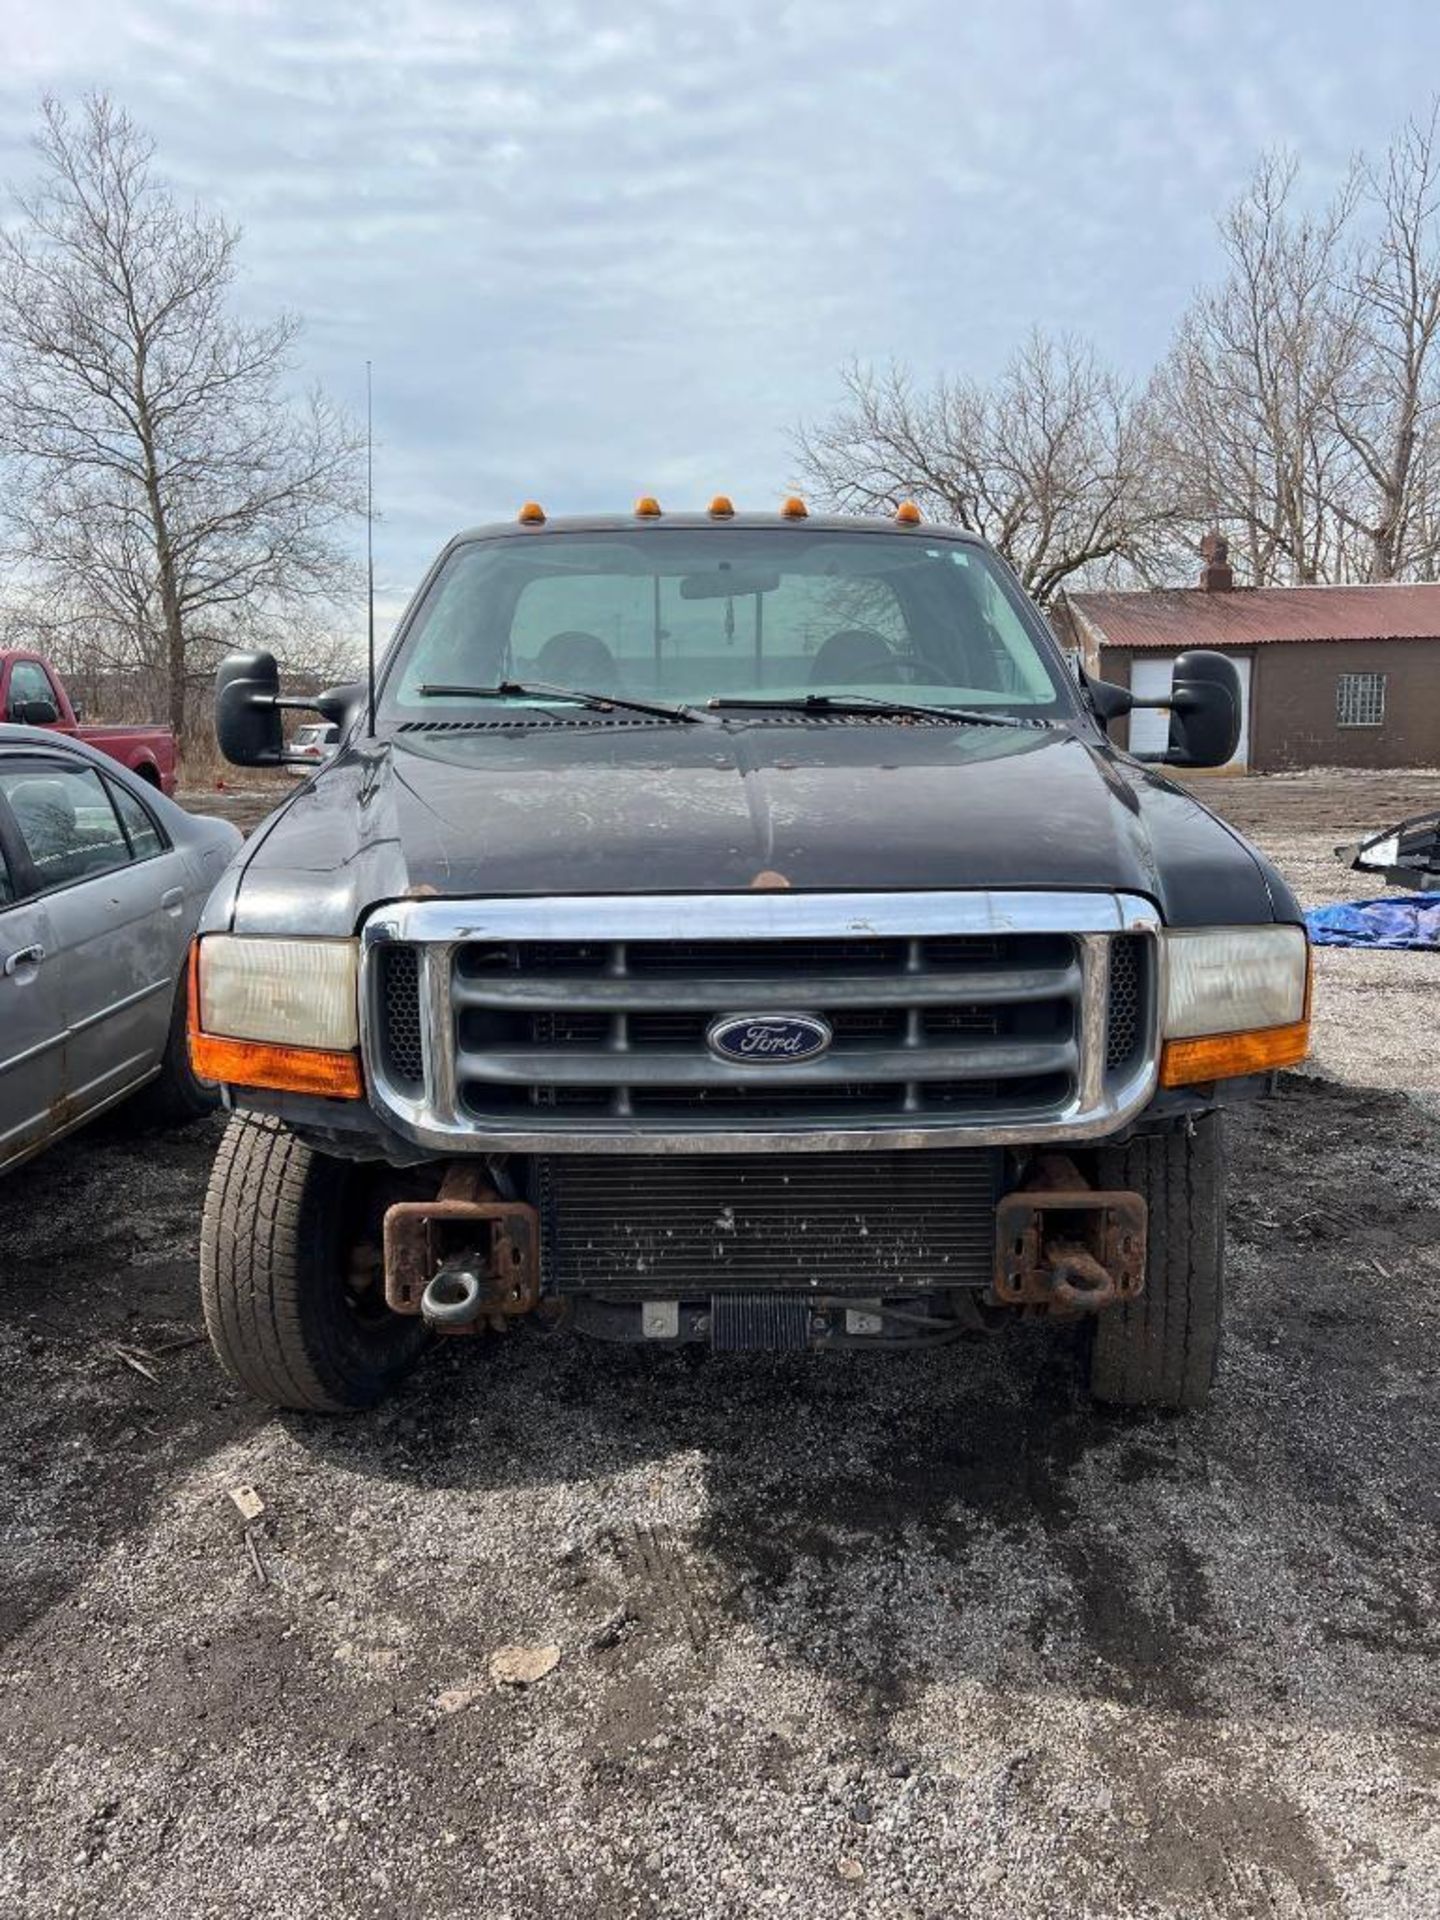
(695,615)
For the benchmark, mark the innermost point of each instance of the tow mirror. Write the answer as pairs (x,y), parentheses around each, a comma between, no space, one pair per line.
(248,724)
(1205,705)
(249,707)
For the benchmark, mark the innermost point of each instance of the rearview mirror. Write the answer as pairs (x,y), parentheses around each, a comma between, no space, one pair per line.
(247,710)
(725,585)
(1205,707)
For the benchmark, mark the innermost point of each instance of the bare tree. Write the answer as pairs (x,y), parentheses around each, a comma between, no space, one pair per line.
(1299,407)
(1247,399)
(1051,463)
(1388,413)
(159,480)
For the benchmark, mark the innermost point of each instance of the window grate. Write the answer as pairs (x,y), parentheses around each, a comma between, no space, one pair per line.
(1360,700)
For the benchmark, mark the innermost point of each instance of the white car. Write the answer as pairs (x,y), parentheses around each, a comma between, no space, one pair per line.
(317,744)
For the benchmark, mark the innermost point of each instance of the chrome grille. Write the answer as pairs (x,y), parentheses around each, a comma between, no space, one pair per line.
(618,1027)
(583,1020)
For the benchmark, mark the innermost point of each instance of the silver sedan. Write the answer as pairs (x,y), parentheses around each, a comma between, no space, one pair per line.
(101,882)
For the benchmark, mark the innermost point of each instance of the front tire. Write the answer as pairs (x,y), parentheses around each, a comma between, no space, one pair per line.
(280,1275)
(1161,1349)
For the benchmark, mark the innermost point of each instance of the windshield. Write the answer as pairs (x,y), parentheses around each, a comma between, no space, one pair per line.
(693,615)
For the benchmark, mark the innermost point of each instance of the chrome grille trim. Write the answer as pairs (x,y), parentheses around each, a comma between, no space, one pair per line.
(1099,1099)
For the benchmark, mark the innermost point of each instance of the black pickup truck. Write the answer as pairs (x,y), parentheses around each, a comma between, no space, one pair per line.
(737,929)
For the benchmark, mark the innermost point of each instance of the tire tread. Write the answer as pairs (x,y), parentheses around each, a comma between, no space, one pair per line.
(1161,1350)
(266,1247)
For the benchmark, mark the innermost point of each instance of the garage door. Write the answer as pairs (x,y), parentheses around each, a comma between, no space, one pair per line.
(1150,678)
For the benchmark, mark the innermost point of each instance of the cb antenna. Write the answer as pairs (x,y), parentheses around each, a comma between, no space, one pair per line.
(370,549)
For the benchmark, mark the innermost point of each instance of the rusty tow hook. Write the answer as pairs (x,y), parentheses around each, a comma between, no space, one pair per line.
(1065,1247)
(1078,1282)
(465,1259)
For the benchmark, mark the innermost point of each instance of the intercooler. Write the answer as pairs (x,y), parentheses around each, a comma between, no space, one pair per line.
(699,1224)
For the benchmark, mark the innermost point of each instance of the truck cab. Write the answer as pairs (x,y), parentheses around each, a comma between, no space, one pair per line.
(32,694)
(735,929)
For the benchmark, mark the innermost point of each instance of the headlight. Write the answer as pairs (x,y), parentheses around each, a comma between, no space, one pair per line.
(1233,979)
(1236,1001)
(297,993)
(276,1013)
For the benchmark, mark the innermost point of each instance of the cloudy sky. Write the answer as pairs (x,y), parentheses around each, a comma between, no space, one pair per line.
(595,249)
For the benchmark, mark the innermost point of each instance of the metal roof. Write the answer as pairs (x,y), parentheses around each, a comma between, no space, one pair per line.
(1258,616)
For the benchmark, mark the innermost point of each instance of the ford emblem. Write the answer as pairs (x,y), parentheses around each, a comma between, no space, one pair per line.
(768,1039)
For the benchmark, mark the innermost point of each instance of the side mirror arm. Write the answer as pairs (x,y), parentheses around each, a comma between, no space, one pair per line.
(1111,701)
(1108,700)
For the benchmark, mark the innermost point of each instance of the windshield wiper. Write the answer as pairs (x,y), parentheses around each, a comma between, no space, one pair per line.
(539,690)
(874,703)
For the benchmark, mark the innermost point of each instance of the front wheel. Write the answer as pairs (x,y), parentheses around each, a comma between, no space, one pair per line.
(289,1275)
(1160,1350)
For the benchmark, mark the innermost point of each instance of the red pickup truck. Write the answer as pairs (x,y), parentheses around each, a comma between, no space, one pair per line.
(33,694)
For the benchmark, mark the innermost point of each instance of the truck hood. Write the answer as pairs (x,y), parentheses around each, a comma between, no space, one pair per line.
(614,807)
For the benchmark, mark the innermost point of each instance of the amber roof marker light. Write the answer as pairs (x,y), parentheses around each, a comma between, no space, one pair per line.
(721,507)
(908,514)
(532,514)
(794,508)
(647,507)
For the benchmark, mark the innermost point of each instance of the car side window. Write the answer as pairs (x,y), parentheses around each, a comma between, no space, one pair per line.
(144,836)
(7,884)
(28,681)
(65,819)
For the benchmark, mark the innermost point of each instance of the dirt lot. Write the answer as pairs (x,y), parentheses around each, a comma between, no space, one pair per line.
(1377,1015)
(913,1637)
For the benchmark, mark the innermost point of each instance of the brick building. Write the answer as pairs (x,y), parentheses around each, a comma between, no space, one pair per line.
(1332,676)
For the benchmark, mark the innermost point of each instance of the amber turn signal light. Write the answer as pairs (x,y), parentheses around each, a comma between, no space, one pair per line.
(253,1063)
(647,507)
(532,514)
(795,509)
(1221,1056)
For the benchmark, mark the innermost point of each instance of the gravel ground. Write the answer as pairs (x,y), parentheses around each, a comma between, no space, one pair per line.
(1376,1014)
(922,1636)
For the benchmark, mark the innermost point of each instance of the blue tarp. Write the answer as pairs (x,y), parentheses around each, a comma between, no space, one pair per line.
(1412,920)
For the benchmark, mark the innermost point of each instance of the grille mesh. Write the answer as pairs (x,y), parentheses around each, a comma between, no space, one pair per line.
(400,1014)
(1126,1030)
(685,1226)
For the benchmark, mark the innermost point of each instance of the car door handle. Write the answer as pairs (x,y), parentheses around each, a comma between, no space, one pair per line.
(173,899)
(23,957)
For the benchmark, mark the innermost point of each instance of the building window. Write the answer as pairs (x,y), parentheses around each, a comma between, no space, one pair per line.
(1360,700)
